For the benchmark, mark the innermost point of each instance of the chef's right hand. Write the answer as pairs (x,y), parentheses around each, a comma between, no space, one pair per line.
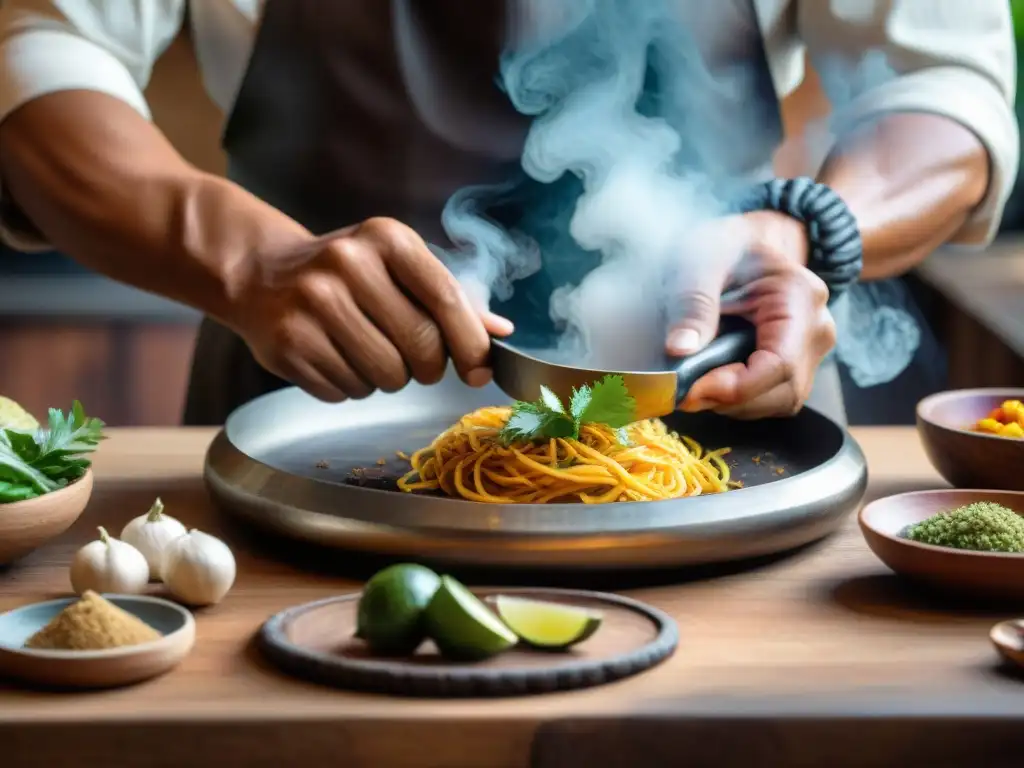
(370,311)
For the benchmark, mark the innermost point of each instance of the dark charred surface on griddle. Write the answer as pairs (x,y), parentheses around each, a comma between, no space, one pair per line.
(762,451)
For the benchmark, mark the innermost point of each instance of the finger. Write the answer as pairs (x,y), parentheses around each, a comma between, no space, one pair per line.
(333,367)
(306,377)
(738,383)
(413,333)
(420,272)
(699,314)
(782,400)
(479,298)
(367,350)
(285,360)
(497,325)
(315,352)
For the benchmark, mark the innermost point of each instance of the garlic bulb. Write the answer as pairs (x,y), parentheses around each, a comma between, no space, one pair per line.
(151,533)
(198,569)
(109,565)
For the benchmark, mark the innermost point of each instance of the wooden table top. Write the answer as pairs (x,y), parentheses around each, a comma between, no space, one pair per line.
(827,632)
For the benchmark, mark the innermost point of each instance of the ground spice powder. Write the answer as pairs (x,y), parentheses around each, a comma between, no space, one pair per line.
(92,623)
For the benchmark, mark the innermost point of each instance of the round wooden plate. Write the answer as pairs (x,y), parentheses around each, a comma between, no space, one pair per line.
(315,641)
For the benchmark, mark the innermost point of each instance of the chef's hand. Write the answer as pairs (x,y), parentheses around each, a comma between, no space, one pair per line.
(370,311)
(758,258)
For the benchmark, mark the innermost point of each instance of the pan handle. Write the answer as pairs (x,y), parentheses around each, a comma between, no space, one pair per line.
(735,343)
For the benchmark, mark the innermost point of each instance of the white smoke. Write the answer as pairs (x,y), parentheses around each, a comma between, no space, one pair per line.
(877,337)
(650,178)
(582,72)
(634,210)
(491,259)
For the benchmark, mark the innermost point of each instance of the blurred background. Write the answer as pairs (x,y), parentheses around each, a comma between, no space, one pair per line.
(66,333)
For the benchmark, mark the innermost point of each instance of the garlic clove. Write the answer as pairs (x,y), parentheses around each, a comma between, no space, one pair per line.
(109,565)
(198,569)
(151,533)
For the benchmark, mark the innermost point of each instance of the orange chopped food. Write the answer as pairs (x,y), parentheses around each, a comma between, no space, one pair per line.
(1005,421)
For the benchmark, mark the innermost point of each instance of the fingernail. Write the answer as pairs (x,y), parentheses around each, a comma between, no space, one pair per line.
(479,377)
(683,341)
(500,325)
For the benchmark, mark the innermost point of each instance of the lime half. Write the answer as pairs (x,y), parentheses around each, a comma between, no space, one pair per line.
(390,618)
(13,416)
(463,627)
(547,625)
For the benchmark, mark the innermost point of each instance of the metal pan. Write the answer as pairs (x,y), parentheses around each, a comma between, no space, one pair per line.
(294,466)
(519,373)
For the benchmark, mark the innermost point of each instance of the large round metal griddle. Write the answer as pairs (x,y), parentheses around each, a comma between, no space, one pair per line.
(325,473)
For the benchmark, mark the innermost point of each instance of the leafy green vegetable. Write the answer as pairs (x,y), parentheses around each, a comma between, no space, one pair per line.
(39,462)
(530,420)
(606,402)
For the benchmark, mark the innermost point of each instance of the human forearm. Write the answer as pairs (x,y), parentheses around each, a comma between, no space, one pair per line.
(911,180)
(107,188)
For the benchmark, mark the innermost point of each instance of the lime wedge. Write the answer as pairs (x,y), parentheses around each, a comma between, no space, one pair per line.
(463,627)
(391,609)
(547,625)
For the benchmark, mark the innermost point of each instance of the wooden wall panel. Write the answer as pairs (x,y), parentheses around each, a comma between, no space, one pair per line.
(159,360)
(127,374)
(44,365)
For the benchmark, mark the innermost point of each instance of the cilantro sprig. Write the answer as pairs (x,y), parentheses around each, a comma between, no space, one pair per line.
(47,459)
(606,402)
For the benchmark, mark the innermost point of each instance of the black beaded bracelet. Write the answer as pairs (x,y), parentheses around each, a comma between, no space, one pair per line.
(836,252)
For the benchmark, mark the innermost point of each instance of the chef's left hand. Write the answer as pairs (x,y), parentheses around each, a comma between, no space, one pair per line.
(759,260)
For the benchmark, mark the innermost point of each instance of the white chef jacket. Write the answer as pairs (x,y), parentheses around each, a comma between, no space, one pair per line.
(951,57)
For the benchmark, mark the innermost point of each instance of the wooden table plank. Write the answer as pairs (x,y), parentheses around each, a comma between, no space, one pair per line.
(827,630)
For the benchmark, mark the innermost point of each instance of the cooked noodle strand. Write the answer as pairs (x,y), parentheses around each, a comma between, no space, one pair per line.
(469,461)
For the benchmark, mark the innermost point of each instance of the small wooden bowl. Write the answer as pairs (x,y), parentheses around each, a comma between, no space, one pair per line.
(990,574)
(968,459)
(95,669)
(26,525)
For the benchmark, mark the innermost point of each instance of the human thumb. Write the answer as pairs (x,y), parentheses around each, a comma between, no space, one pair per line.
(698,323)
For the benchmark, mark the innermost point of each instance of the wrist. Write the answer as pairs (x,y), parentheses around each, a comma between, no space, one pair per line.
(226,232)
(780,235)
(834,250)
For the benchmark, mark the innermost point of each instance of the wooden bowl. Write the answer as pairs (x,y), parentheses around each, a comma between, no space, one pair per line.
(990,574)
(964,458)
(95,669)
(26,525)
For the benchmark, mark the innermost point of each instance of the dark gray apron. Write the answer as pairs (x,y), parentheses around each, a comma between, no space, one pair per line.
(357,108)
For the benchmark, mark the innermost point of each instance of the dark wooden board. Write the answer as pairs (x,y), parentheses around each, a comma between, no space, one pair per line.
(315,641)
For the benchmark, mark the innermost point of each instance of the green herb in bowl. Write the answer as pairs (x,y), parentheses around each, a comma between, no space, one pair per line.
(37,462)
(983,526)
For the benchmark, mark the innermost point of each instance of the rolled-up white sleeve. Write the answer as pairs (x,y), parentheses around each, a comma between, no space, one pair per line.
(47,46)
(955,58)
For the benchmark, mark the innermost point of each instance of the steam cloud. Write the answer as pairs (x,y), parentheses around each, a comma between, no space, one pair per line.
(626,157)
(876,336)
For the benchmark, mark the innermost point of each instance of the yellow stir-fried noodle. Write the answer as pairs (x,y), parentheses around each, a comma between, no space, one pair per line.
(469,461)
